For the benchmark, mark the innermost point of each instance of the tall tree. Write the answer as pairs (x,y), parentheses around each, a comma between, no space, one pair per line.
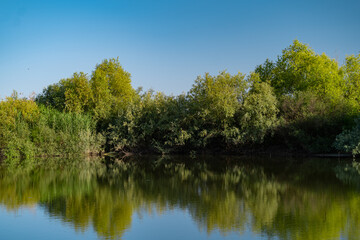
(53,95)
(218,97)
(299,68)
(259,111)
(77,93)
(111,87)
(351,71)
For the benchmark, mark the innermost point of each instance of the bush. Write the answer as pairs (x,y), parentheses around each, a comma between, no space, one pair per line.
(310,122)
(28,131)
(60,133)
(349,140)
(155,122)
(259,112)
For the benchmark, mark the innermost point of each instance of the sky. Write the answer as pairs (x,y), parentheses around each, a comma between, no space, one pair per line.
(164,44)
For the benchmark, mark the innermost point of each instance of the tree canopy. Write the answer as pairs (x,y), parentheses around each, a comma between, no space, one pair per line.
(299,68)
(107,92)
(302,102)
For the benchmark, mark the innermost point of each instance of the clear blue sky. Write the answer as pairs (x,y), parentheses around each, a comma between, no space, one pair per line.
(164,44)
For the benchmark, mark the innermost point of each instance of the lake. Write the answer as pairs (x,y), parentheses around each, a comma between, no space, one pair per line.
(218,197)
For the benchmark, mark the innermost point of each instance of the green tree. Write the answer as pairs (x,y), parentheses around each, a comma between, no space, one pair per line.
(213,102)
(349,140)
(299,68)
(155,121)
(351,71)
(259,111)
(78,93)
(53,95)
(111,87)
(217,98)
(266,71)
(16,117)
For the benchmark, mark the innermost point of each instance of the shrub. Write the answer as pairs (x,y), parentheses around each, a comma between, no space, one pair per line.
(259,113)
(311,123)
(349,140)
(27,131)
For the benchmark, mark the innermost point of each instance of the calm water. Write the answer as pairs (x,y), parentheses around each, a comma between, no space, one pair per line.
(181,198)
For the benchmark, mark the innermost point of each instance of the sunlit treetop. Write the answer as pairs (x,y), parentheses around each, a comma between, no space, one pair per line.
(299,68)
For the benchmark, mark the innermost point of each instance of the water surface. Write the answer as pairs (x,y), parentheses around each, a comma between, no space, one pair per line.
(180,198)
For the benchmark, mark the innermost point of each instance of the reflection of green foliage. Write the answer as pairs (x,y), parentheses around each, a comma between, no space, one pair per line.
(294,204)
(70,190)
(349,173)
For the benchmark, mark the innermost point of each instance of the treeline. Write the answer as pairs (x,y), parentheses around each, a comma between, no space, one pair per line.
(302,102)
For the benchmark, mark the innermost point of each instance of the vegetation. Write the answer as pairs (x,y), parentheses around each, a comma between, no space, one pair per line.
(349,140)
(29,130)
(303,102)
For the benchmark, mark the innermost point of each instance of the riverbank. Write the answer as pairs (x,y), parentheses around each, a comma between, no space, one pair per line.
(296,105)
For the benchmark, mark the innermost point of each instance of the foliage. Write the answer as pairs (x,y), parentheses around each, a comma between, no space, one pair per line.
(111,88)
(28,131)
(217,98)
(15,116)
(349,140)
(351,71)
(213,104)
(155,121)
(60,133)
(259,112)
(266,71)
(302,102)
(108,91)
(310,123)
(13,107)
(317,97)
(71,94)
(299,68)
(78,94)
(53,96)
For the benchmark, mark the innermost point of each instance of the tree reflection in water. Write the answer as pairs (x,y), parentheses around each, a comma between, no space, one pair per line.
(314,199)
